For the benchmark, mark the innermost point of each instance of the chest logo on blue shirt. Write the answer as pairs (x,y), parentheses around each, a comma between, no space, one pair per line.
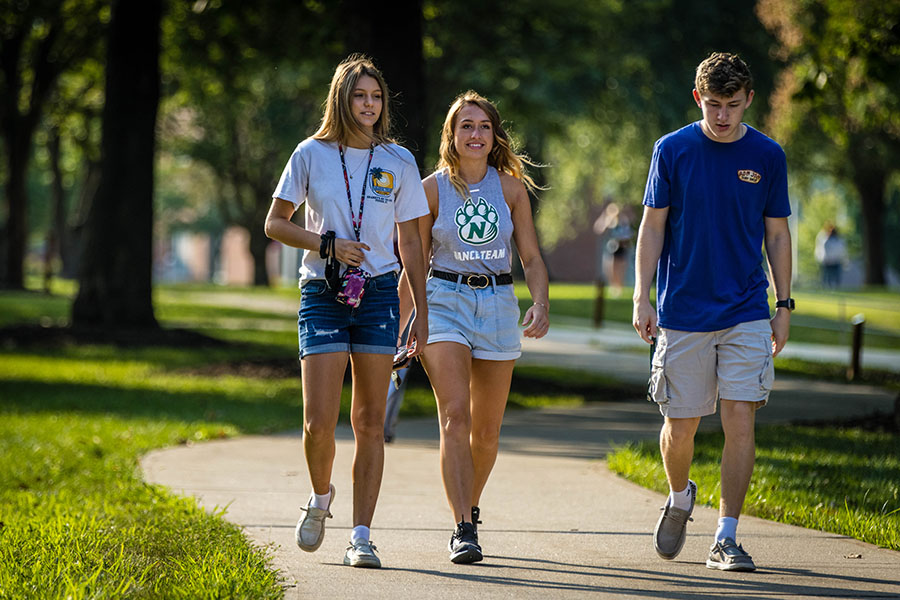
(477,223)
(381,181)
(749,176)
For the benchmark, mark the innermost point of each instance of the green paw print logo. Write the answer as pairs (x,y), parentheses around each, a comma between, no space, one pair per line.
(477,222)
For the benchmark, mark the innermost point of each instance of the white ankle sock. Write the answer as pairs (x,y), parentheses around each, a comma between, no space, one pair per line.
(360,532)
(680,499)
(727,528)
(320,500)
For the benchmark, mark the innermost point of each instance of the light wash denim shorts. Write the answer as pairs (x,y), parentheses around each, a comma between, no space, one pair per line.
(486,320)
(692,370)
(326,325)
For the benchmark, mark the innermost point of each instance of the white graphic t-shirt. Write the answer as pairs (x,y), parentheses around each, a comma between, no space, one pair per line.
(393,194)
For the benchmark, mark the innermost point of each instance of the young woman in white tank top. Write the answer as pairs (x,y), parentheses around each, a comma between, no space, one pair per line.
(478,205)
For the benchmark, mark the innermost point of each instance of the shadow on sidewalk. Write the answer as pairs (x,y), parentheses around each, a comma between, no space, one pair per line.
(558,576)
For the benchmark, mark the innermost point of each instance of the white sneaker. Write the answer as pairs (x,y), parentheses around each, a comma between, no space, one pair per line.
(362,554)
(311,527)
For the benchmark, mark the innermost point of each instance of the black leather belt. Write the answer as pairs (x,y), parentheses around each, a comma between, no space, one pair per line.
(476,282)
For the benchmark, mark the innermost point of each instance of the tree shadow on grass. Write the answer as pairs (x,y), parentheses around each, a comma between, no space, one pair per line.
(31,336)
(257,414)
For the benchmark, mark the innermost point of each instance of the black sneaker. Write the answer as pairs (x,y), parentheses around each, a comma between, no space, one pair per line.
(463,546)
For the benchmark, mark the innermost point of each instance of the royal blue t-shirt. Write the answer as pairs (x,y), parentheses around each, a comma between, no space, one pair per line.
(710,274)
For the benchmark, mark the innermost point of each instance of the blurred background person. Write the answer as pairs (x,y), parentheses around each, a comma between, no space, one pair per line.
(831,254)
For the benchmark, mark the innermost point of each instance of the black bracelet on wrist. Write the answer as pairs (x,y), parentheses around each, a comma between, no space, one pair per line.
(327,245)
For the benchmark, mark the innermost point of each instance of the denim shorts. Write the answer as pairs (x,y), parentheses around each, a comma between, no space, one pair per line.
(486,320)
(326,325)
(692,370)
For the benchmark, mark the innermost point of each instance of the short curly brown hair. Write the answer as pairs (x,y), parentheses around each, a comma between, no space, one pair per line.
(723,74)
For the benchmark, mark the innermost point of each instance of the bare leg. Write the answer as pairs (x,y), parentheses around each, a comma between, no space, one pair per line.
(738,455)
(449,368)
(489,390)
(371,375)
(676,444)
(323,376)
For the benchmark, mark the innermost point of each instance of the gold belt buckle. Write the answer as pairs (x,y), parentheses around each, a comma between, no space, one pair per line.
(478,278)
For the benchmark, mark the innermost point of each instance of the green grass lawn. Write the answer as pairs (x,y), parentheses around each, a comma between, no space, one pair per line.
(821,317)
(841,480)
(76,519)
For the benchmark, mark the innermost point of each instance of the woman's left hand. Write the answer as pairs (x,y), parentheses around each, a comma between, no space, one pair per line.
(536,321)
(418,335)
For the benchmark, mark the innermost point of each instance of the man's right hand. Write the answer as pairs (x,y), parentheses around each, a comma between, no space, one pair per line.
(644,320)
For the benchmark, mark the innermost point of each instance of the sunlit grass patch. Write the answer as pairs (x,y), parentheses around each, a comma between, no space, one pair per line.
(844,481)
(78,522)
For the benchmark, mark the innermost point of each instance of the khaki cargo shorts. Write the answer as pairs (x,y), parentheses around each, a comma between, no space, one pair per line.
(692,370)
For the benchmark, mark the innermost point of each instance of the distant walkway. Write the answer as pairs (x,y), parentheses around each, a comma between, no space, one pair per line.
(569,337)
(564,333)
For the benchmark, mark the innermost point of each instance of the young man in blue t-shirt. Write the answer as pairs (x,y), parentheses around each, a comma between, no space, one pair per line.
(716,192)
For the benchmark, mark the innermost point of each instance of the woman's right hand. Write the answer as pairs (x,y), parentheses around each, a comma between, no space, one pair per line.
(350,252)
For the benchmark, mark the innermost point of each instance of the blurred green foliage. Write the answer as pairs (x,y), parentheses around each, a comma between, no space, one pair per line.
(837,103)
(586,87)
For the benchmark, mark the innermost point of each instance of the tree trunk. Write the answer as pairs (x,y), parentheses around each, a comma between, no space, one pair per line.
(57,230)
(18,153)
(13,231)
(259,242)
(401,60)
(18,125)
(116,276)
(871,188)
(73,245)
(870,180)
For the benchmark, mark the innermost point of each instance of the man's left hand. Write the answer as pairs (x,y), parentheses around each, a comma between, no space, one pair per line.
(781,325)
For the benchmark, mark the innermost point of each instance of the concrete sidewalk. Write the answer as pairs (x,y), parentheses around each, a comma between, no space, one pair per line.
(554,526)
(557,523)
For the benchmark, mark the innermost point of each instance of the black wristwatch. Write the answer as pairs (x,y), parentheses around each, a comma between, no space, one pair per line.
(788,304)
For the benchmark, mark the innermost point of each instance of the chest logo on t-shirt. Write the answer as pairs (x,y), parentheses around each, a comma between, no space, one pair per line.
(381,181)
(749,175)
(477,223)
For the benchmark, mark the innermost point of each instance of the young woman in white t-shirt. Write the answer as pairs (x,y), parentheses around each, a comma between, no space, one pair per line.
(357,183)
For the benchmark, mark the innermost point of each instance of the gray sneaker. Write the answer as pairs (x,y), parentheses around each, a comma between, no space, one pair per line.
(362,554)
(726,555)
(671,529)
(311,527)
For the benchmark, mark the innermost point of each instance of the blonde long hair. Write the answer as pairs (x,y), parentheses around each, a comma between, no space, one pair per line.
(503,155)
(338,123)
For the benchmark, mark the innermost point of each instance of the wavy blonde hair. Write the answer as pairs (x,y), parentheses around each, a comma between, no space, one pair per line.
(503,155)
(338,123)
